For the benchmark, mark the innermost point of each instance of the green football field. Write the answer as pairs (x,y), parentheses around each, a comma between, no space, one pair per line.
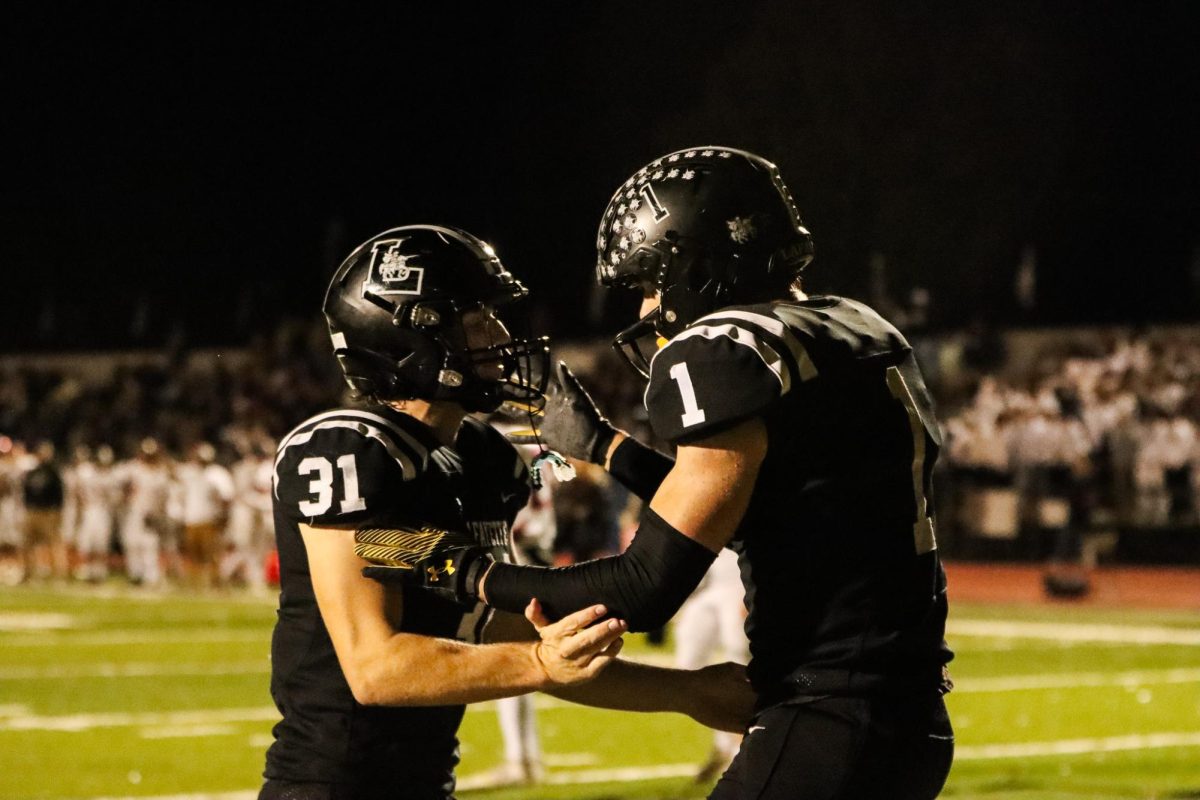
(110,693)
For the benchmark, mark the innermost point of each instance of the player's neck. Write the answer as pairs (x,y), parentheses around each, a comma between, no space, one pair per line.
(443,418)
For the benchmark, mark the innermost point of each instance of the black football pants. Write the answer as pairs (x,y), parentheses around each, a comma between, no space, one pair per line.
(843,748)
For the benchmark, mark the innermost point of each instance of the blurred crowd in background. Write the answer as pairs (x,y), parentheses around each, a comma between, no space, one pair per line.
(158,466)
(1059,449)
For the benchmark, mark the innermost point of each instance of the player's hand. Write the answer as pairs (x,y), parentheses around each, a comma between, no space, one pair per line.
(447,564)
(577,647)
(721,697)
(572,424)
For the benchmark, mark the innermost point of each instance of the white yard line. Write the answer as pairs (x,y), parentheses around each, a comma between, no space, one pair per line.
(1059,747)
(623,774)
(613,775)
(1072,747)
(187,731)
(19,718)
(16,717)
(568,760)
(247,794)
(123,636)
(481,781)
(34,621)
(992,629)
(1069,680)
(132,669)
(142,594)
(82,722)
(1124,634)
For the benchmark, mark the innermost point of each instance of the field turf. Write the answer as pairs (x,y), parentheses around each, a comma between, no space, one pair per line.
(113,693)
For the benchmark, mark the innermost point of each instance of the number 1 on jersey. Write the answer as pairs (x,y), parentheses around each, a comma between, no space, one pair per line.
(692,413)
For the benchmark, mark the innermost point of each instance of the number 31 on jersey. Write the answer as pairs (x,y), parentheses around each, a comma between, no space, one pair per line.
(322,485)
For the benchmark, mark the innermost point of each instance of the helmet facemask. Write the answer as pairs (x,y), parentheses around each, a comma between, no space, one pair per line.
(441,365)
(521,366)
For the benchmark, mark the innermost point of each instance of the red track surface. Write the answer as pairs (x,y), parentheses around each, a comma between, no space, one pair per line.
(1142,587)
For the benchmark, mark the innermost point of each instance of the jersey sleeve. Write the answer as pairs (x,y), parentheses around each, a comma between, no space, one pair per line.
(712,376)
(342,476)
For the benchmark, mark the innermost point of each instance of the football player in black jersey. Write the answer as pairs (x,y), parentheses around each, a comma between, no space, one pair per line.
(805,440)
(371,679)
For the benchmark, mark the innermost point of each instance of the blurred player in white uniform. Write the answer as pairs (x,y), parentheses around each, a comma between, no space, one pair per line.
(250,532)
(95,489)
(146,480)
(80,455)
(709,628)
(11,512)
(207,491)
(533,532)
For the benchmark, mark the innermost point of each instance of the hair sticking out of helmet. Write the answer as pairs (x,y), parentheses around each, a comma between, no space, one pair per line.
(702,228)
(395,310)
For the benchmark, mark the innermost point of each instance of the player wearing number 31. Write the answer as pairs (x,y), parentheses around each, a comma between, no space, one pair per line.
(371,679)
(805,441)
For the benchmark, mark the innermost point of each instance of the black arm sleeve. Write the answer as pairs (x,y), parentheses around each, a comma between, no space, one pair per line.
(639,468)
(644,586)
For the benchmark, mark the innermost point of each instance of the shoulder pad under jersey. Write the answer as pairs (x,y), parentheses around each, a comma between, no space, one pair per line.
(726,367)
(343,467)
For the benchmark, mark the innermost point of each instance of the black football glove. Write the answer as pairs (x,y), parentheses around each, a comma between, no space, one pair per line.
(572,424)
(447,564)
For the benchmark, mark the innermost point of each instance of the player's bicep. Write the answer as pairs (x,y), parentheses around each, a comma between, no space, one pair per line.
(355,609)
(713,376)
(707,492)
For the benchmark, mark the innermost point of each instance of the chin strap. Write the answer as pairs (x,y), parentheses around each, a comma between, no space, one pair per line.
(627,347)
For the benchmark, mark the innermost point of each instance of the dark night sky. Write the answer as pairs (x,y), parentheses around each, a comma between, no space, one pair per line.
(213,167)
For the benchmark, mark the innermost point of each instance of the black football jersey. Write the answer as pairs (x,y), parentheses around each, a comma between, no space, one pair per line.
(837,549)
(375,466)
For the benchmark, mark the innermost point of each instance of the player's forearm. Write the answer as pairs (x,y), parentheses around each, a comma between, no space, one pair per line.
(628,686)
(719,696)
(645,585)
(413,670)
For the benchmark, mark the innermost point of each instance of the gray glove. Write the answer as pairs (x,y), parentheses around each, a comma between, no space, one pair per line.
(573,425)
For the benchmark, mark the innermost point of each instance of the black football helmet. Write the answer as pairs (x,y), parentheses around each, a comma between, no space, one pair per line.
(706,228)
(395,307)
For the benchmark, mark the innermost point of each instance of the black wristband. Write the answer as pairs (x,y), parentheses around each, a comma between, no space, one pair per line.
(603,440)
(645,585)
(475,570)
(639,468)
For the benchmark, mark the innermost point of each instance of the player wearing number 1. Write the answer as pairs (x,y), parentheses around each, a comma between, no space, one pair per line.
(805,441)
(371,679)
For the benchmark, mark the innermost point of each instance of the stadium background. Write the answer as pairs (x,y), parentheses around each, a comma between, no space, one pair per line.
(1016,184)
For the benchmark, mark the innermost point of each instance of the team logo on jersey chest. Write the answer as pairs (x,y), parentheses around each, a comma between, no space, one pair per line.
(393,270)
